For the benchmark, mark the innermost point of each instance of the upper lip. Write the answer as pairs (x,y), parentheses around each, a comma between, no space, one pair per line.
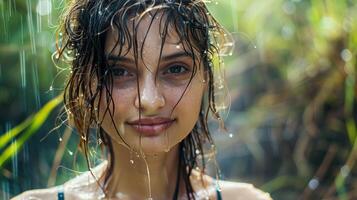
(151,121)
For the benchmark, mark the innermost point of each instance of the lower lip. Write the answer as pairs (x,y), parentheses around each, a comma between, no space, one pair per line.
(152,130)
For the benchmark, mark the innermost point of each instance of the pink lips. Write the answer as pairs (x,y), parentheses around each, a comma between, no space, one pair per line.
(151,126)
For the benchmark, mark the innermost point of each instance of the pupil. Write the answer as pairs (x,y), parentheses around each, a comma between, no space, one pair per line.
(118,72)
(176,69)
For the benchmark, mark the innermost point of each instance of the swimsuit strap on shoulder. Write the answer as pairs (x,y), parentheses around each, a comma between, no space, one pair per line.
(60,193)
(218,192)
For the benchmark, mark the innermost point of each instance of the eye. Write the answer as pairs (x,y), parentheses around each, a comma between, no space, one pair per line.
(120,72)
(176,69)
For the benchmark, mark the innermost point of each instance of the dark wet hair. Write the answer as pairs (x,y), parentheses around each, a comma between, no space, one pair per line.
(82,37)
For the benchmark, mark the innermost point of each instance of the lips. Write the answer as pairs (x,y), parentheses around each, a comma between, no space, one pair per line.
(151,126)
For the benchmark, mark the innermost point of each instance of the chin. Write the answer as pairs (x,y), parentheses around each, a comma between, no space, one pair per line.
(154,145)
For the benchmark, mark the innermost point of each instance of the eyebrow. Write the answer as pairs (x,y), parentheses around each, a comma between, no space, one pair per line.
(168,57)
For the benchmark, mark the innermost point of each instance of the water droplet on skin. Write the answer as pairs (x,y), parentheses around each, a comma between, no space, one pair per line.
(131,161)
(178,46)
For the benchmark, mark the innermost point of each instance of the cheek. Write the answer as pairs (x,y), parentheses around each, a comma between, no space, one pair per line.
(189,107)
(122,100)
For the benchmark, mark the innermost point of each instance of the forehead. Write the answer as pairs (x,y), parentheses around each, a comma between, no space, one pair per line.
(149,32)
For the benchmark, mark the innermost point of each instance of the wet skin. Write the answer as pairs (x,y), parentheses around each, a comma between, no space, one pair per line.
(170,100)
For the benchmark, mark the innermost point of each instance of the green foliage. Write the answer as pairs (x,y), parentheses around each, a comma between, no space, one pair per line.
(30,126)
(292,79)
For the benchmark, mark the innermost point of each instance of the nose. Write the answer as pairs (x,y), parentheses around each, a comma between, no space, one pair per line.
(151,97)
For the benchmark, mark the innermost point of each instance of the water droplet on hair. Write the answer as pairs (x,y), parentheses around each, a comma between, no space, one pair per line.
(131,161)
(345,171)
(70,152)
(313,183)
(60,139)
(197,151)
(100,13)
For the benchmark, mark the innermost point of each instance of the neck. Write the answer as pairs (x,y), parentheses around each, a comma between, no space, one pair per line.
(133,175)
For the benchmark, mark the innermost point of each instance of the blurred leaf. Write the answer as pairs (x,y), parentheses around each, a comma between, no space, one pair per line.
(37,122)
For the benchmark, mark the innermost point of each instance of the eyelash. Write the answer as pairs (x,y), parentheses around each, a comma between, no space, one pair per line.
(175,66)
(116,69)
(126,73)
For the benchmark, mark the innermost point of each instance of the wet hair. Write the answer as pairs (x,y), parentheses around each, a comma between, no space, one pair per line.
(82,37)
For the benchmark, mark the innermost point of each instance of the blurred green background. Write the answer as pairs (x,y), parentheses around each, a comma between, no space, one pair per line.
(292,80)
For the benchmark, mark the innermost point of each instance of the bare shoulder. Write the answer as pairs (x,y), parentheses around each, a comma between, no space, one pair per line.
(48,193)
(236,190)
(83,186)
(205,185)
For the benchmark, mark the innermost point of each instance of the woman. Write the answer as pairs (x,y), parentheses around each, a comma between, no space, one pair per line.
(143,78)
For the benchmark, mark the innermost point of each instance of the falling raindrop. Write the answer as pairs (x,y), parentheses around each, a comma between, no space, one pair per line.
(23,68)
(14,161)
(44,7)
(25,151)
(36,86)
(31,26)
(5,190)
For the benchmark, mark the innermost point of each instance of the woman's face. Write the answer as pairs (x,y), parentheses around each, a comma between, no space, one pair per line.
(169,103)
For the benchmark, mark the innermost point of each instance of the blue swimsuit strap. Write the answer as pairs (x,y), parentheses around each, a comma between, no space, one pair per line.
(60,193)
(218,192)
